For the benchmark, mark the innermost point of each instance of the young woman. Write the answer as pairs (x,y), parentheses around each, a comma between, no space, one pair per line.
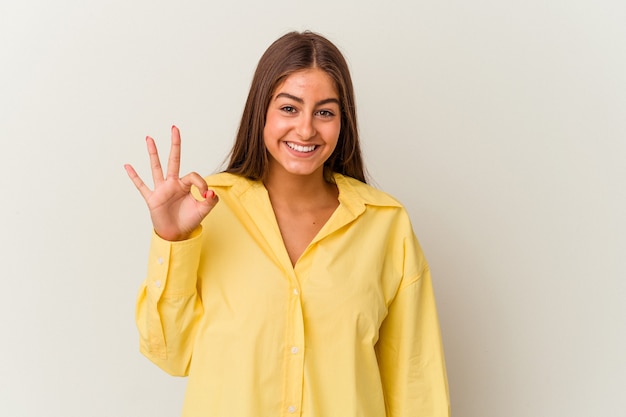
(286,285)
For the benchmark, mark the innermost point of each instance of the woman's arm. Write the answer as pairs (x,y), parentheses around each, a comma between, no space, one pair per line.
(409,349)
(168,305)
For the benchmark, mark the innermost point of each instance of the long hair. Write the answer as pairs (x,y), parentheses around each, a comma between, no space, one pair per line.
(290,53)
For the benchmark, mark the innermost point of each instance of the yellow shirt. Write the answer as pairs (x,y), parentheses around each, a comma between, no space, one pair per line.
(350,331)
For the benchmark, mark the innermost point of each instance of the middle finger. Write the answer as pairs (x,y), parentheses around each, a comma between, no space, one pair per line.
(173,163)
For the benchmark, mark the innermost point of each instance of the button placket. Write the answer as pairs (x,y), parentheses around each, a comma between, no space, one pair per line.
(294,352)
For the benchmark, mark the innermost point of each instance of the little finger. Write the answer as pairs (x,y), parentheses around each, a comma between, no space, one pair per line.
(139,184)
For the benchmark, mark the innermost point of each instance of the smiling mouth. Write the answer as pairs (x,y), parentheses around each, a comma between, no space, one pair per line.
(300,148)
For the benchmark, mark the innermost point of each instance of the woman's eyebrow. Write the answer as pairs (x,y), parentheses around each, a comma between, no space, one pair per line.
(301,101)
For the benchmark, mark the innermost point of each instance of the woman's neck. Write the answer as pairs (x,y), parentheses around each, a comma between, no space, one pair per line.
(300,189)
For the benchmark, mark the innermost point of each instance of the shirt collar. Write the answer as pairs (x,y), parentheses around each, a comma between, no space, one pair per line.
(353,194)
(356,195)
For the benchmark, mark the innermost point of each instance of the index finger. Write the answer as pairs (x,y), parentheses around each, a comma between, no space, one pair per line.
(173,163)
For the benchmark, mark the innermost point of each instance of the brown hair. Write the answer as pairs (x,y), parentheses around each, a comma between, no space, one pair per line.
(290,53)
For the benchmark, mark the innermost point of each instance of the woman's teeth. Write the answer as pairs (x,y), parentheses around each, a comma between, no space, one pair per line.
(301,148)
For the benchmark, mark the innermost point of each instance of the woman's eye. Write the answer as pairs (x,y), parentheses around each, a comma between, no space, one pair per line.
(326,113)
(288,109)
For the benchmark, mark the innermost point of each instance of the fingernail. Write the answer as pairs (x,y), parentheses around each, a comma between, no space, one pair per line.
(208,194)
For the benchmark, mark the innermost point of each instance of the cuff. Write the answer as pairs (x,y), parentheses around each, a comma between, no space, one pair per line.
(173,266)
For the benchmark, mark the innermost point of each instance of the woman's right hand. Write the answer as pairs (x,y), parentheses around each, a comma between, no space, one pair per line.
(174,211)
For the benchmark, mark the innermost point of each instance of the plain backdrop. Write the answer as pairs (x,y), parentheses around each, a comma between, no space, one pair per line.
(499,124)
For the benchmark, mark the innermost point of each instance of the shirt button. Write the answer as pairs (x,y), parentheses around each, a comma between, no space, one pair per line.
(294,350)
(157,283)
(160,260)
(291,409)
(295,291)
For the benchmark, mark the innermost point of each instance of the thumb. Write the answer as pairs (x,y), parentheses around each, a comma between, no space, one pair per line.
(210,200)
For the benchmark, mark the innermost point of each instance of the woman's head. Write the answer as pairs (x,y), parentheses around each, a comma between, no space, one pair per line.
(291,53)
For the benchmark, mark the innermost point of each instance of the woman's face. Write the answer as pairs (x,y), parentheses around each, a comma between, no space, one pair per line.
(302,124)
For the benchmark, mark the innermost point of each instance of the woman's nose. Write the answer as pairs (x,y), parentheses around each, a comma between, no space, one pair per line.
(305,128)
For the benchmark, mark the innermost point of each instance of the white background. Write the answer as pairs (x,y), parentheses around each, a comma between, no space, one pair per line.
(499,124)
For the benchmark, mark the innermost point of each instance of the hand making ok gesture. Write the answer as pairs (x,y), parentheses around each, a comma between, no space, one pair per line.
(174,211)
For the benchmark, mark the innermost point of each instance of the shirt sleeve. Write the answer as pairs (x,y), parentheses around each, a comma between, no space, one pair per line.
(410,351)
(168,305)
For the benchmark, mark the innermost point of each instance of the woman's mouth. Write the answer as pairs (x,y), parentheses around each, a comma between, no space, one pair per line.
(301,148)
